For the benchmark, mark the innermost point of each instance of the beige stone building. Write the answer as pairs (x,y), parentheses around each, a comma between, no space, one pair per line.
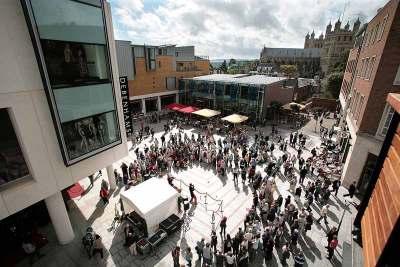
(334,45)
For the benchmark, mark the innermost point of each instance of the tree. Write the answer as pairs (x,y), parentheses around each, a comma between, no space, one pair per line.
(289,70)
(334,82)
(232,61)
(340,66)
(223,67)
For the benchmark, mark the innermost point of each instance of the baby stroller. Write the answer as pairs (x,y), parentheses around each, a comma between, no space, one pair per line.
(88,241)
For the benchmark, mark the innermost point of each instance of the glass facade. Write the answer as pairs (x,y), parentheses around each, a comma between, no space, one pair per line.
(226,97)
(12,162)
(72,49)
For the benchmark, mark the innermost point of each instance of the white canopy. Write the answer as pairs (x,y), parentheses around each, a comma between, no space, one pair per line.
(208,113)
(154,200)
(235,118)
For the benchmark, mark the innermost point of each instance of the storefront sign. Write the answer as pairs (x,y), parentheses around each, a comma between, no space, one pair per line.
(123,82)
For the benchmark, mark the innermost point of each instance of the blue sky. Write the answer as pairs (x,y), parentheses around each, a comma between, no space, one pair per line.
(232,28)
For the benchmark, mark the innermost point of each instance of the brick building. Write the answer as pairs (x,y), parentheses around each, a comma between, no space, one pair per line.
(372,72)
(379,212)
(153,72)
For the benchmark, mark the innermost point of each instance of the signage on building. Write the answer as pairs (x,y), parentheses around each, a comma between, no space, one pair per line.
(123,82)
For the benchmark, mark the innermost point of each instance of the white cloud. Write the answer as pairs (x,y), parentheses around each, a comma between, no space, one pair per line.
(232,28)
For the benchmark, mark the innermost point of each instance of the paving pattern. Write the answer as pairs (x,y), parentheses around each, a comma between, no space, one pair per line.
(237,199)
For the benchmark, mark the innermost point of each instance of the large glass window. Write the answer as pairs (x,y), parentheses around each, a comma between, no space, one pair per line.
(151,58)
(70,64)
(12,162)
(72,48)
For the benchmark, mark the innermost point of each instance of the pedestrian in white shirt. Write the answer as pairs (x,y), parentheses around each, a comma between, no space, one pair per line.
(324,213)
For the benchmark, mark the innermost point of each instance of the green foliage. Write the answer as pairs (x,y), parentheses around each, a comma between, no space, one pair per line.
(289,70)
(334,82)
(340,66)
(232,61)
(223,67)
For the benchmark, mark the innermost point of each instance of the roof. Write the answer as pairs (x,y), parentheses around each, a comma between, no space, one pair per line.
(239,78)
(291,52)
(149,195)
(235,118)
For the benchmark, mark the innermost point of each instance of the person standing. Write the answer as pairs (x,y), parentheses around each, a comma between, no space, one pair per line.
(222,225)
(332,246)
(189,256)
(31,250)
(214,241)
(335,186)
(98,246)
(193,198)
(207,255)
(285,254)
(104,195)
(230,260)
(91,179)
(235,174)
(175,256)
(199,248)
(331,233)
(324,214)
(352,190)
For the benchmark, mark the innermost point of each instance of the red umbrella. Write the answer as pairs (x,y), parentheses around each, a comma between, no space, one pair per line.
(188,109)
(175,106)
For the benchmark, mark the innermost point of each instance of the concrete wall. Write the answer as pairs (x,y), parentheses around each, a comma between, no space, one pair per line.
(21,91)
(125,59)
(277,92)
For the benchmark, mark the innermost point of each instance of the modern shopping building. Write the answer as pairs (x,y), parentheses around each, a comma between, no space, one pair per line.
(60,106)
(373,71)
(153,72)
(244,93)
(379,212)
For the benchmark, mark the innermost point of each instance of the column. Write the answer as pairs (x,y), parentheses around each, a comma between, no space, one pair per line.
(111,178)
(177,98)
(59,217)
(159,103)
(143,106)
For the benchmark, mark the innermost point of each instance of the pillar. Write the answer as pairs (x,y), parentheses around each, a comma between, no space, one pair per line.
(111,178)
(143,106)
(177,98)
(60,219)
(158,103)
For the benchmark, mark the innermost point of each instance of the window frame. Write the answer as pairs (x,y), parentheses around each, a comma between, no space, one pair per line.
(37,46)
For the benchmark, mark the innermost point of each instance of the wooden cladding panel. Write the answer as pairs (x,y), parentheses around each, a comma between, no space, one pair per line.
(383,209)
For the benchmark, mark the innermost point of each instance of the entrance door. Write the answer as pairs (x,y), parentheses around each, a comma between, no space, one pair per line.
(366,173)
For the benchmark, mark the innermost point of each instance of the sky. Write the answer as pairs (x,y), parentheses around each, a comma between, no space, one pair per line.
(232,28)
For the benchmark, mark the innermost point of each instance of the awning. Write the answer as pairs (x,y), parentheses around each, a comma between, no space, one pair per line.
(288,106)
(188,109)
(208,113)
(235,118)
(175,106)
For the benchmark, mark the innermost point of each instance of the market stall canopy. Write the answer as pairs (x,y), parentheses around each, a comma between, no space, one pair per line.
(288,106)
(208,113)
(235,118)
(188,109)
(175,106)
(154,200)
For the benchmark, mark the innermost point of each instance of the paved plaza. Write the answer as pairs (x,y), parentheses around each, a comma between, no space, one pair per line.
(89,210)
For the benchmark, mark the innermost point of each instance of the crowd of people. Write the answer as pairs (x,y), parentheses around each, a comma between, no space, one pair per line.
(273,222)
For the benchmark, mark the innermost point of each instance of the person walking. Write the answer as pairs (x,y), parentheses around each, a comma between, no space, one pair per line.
(285,254)
(332,246)
(235,174)
(222,225)
(175,256)
(230,260)
(323,214)
(331,233)
(31,250)
(335,186)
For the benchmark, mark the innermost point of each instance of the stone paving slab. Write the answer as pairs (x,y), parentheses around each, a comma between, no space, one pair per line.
(237,199)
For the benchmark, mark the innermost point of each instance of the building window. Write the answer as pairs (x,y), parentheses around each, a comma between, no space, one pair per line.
(159,64)
(397,77)
(151,58)
(386,119)
(370,68)
(365,68)
(12,162)
(382,30)
(70,38)
(171,83)
(359,107)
